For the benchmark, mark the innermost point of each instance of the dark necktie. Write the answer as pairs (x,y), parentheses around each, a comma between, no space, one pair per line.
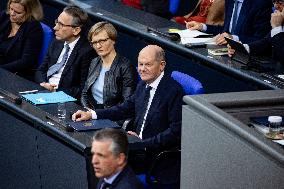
(105,185)
(56,67)
(235,17)
(144,107)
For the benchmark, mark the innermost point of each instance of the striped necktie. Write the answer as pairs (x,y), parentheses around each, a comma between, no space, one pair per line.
(56,67)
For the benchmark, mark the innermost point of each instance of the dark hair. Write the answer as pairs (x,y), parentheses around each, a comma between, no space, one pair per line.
(117,137)
(100,26)
(32,7)
(79,16)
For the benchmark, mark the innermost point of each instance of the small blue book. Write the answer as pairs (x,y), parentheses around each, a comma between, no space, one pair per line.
(93,125)
(48,98)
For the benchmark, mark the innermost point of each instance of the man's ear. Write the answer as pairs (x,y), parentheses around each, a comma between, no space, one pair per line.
(121,158)
(76,31)
(163,65)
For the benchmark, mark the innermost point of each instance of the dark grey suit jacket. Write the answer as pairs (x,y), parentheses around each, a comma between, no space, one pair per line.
(125,180)
(76,69)
(269,46)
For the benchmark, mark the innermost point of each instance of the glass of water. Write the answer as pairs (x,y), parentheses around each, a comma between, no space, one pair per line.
(61,112)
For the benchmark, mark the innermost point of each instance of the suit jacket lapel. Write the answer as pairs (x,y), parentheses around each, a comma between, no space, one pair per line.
(245,8)
(229,12)
(71,58)
(156,100)
(58,48)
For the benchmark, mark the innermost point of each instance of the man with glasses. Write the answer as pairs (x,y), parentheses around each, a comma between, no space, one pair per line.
(66,64)
(272,44)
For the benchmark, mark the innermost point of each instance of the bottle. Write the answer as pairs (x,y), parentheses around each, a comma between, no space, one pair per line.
(274,127)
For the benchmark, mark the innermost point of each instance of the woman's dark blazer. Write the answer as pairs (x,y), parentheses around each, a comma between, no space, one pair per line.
(22,55)
(119,84)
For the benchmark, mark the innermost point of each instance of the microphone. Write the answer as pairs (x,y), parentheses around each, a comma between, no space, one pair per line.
(172,37)
(11,97)
(67,127)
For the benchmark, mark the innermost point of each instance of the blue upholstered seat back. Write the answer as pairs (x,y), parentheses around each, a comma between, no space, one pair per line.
(190,85)
(47,37)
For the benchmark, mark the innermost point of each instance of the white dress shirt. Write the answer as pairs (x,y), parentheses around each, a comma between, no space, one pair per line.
(55,78)
(154,86)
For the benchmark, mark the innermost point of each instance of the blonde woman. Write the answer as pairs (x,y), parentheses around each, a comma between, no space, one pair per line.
(21,36)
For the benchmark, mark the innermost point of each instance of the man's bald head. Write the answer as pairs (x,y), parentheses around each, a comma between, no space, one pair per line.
(151,63)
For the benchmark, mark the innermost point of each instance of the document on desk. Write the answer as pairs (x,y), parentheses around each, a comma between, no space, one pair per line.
(93,125)
(193,36)
(48,98)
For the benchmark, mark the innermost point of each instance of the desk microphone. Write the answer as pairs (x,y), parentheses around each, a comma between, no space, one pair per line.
(172,37)
(11,97)
(67,127)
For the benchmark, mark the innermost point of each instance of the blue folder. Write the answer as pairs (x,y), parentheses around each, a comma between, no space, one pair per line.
(93,124)
(48,98)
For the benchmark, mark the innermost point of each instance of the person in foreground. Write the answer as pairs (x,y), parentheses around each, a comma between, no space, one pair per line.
(21,36)
(109,159)
(155,106)
(65,67)
(112,78)
(272,44)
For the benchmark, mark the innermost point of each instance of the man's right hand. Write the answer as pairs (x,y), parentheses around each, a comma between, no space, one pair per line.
(277,18)
(231,51)
(81,116)
(48,86)
(193,25)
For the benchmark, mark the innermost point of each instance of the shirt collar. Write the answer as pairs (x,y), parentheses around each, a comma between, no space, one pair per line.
(72,44)
(155,83)
(112,178)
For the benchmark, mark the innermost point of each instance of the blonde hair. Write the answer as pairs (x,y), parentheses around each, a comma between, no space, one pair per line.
(33,9)
(100,26)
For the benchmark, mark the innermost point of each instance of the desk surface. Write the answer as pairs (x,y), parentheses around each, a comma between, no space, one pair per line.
(14,84)
(136,22)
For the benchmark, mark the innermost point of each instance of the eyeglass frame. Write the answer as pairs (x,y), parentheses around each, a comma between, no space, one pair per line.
(61,25)
(101,42)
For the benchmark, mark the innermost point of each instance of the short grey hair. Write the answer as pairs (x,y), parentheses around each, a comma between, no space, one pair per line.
(118,138)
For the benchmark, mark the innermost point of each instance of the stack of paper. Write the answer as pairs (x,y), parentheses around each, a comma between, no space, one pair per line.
(193,37)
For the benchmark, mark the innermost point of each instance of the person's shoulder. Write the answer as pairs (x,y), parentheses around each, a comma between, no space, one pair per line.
(174,85)
(123,59)
(34,24)
(4,15)
(129,180)
(84,48)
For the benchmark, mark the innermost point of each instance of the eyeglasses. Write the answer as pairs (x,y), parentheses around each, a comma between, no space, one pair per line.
(61,25)
(101,42)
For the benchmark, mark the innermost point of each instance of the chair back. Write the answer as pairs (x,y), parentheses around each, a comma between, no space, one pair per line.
(47,37)
(173,6)
(190,85)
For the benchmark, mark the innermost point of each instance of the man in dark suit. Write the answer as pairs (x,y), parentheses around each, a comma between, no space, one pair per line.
(109,159)
(66,64)
(245,21)
(272,44)
(157,115)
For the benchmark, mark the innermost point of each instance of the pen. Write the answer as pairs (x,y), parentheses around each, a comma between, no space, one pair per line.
(27,92)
